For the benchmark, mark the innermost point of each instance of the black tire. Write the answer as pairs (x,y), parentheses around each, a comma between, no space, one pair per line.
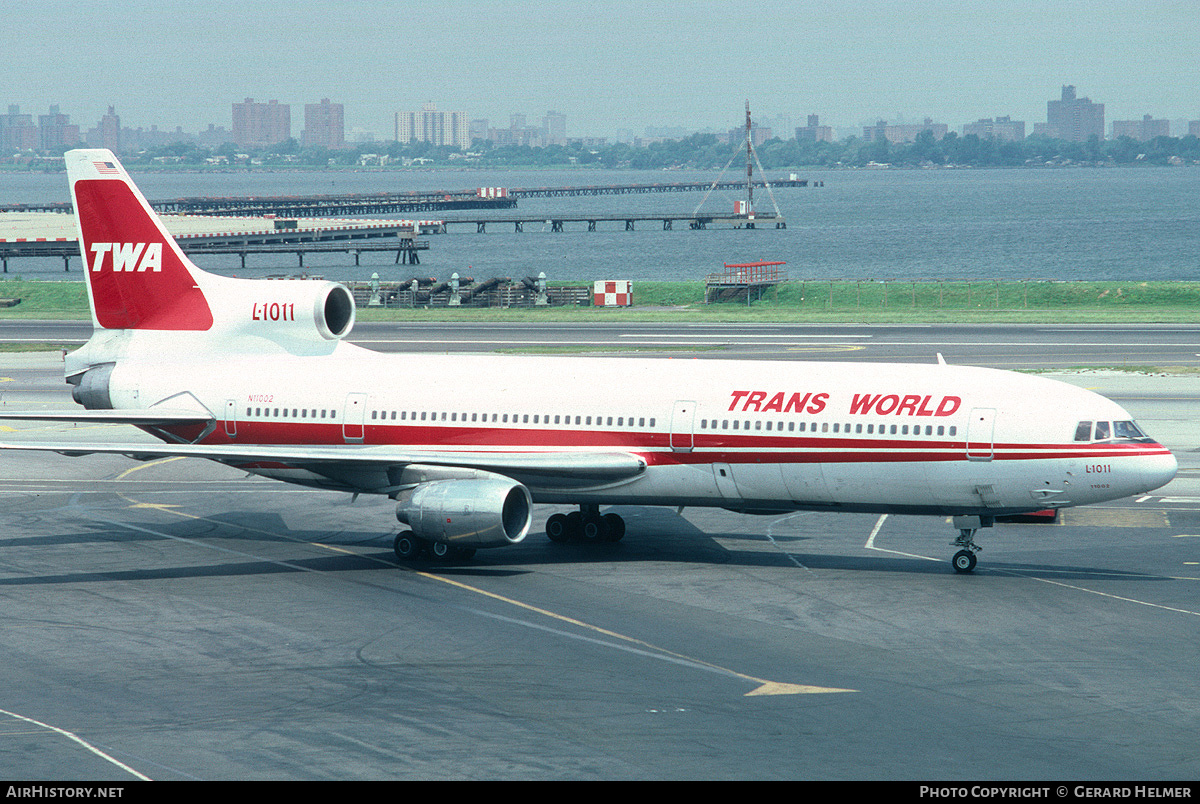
(964,562)
(556,528)
(616,527)
(595,529)
(440,551)
(407,545)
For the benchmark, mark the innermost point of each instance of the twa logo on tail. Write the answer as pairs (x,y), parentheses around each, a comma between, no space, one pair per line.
(128,256)
(137,276)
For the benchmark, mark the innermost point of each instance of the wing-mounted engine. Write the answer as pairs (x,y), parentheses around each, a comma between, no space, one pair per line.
(479,510)
(289,312)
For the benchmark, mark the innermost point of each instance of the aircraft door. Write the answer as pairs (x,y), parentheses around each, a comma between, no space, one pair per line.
(231,418)
(683,418)
(353,417)
(980,434)
(723,474)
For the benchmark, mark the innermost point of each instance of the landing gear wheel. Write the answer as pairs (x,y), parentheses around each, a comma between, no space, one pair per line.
(440,551)
(964,561)
(615,526)
(588,525)
(595,529)
(407,545)
(557,528)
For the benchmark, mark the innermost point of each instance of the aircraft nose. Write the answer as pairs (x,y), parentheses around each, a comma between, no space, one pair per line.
(1157,470)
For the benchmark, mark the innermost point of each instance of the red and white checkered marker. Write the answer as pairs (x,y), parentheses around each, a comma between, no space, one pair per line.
(618,293)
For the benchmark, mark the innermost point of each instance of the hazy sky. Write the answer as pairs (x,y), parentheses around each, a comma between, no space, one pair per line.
(605,64)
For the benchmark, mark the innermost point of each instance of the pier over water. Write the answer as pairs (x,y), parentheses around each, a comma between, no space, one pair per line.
(319,206)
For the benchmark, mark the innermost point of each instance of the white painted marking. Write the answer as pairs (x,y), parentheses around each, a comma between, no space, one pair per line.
(771,539)
(77,739)
(870,545)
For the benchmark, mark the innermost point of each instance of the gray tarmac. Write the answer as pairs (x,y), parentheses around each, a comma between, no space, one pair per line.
(177,620)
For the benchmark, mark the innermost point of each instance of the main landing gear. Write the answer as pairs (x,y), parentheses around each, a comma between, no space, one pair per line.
(587,524)
(410,547)
(964,560)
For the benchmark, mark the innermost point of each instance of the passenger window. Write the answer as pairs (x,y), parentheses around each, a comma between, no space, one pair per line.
(1083,431)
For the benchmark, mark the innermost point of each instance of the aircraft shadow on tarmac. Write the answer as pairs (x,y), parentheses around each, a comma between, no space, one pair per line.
(657,536)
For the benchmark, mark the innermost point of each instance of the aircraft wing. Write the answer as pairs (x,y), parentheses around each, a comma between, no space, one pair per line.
(342,462)
(151,417)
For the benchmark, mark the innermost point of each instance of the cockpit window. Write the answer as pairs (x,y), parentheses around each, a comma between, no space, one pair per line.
(1105,431)
(1127,430)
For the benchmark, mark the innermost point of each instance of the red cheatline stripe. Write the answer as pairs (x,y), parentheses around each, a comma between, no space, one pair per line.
(656,446)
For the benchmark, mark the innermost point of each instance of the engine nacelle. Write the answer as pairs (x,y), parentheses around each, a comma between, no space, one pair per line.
(491,512)
(299,310)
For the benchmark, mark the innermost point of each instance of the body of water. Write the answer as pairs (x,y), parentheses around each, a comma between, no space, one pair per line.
(1127,224)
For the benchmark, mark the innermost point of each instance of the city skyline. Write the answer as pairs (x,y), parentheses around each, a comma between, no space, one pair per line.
(171,64)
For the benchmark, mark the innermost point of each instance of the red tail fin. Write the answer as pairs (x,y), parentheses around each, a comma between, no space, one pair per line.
(137,276)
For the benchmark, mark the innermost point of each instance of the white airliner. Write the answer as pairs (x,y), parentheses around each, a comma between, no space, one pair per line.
(258,375)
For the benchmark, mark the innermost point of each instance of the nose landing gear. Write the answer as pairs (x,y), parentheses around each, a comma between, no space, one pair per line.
(964,560)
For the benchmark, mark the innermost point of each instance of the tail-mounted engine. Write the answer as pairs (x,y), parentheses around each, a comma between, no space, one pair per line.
(300,310)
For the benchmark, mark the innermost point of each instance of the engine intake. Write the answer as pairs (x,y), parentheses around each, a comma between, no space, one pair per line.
(468,513)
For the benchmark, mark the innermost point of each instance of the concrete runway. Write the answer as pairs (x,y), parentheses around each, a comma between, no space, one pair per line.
(1019,346)
(185,622)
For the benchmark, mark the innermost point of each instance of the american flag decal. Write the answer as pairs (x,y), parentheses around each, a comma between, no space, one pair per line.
(106,169)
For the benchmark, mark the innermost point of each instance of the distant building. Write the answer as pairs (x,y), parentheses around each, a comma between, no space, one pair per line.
(1071,118)
(1002,129)
(814,131)
(17,131)
(56,132)
(758,134)
(214,136)
(438,128)
(1194,128)
(904,132)
(259,124)
(107,133)
(478,129)
(555,127)
(526,136)
(1141,130)
(324,125)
